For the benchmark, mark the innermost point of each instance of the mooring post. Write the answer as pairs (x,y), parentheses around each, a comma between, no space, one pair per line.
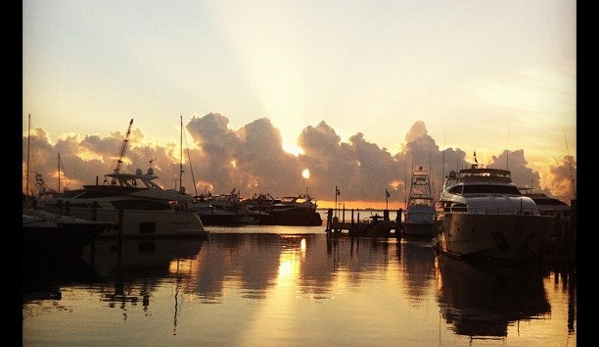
(398,226)
(329,219)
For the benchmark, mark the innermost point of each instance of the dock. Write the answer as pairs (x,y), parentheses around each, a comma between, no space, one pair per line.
(375,226)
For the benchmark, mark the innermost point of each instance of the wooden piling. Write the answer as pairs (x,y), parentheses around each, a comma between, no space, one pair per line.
(398,224)
(329,219)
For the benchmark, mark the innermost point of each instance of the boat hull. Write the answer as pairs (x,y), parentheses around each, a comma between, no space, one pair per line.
(493,238)
(419,221)
(60,239)
(418,229)
(293,217)
(144,223)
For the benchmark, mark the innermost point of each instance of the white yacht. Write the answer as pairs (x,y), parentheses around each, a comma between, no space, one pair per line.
(485,216)
(420,213)
(138,206)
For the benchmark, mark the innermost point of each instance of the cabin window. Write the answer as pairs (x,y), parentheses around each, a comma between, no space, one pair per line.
(140,205)
(491,189)
(456,190)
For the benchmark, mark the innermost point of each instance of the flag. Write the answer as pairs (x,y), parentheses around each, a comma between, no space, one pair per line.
(387,193)
(338,192)
(475,160)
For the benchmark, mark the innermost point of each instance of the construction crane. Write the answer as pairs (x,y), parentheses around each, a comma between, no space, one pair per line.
(119,161)
(42,188)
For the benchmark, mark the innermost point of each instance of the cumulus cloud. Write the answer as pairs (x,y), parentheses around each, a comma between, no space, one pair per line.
(216,158)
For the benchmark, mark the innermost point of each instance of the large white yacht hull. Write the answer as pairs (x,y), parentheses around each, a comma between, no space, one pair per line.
(143,223)
(493,238)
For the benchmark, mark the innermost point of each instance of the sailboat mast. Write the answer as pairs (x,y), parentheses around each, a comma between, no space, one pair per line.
(28,146)
(193,179)
(443,162)
(58,173)
(181,156)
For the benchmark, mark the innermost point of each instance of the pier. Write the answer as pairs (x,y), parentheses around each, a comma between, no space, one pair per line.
(376,226)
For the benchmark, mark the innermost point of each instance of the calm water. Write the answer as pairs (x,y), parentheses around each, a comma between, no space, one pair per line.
(289,286)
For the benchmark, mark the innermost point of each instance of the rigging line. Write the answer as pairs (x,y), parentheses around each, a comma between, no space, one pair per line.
(193,180)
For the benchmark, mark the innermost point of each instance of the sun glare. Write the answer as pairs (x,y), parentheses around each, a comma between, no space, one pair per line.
(306,173)
(292,149)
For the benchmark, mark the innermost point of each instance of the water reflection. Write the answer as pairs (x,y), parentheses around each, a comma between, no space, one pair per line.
(130,258)
(417,259)
(132,269)
(252,289)
(258,263)
(564,280)
(482,301)
(43,277)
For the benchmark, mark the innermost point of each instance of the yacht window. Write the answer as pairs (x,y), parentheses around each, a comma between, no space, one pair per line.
(491,189)
(456,190)
(141,205)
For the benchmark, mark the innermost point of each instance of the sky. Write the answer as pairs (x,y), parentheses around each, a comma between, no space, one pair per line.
(357,92)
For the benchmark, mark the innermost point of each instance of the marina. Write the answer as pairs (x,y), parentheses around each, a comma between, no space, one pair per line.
(299,174)
(491,268)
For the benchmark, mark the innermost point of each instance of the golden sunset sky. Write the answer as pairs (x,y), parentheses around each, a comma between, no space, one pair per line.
(271,88)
